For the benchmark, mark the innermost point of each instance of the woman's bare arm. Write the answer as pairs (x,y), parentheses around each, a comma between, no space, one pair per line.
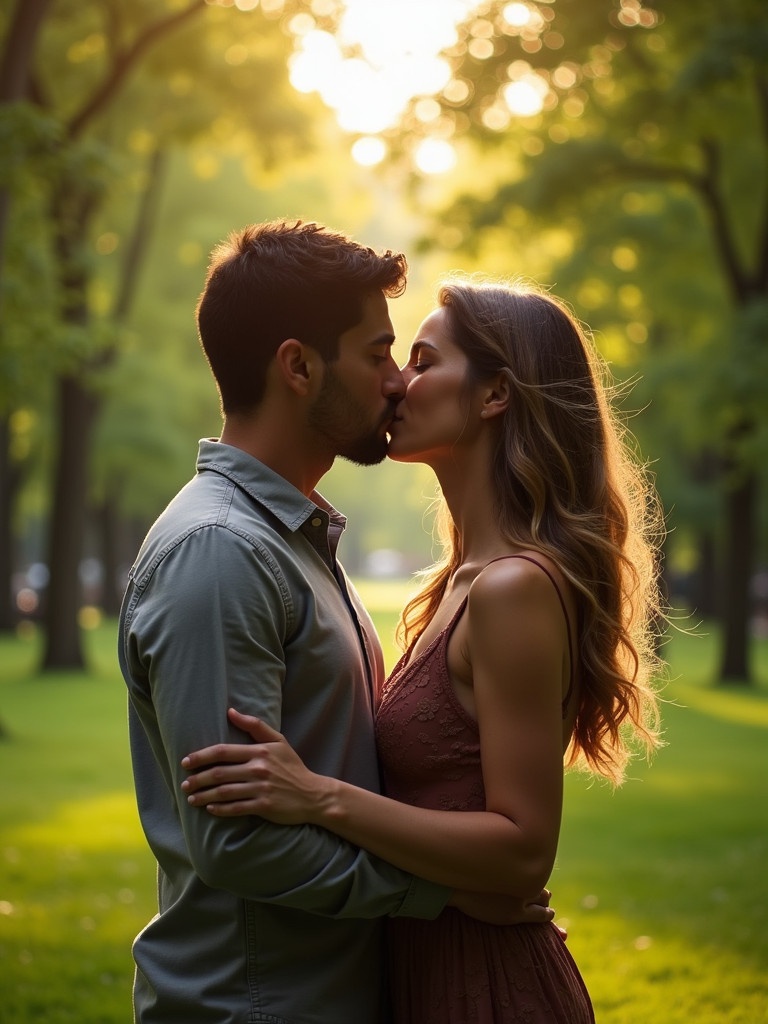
(516,644)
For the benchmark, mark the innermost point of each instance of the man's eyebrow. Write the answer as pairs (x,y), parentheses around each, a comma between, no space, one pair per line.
(383,339)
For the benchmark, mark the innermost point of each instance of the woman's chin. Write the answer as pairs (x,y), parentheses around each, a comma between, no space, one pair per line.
(400,449)
(397,453)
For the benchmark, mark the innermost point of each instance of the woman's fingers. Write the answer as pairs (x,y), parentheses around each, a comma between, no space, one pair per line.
(226,793)
(266,778)
(221,774)
(233,753)
(258,729)
(219,753)
(233,809)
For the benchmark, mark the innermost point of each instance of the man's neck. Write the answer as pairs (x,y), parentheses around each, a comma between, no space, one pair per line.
(280,445)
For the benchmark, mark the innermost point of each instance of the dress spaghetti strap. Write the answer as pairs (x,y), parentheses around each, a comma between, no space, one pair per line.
(545,570)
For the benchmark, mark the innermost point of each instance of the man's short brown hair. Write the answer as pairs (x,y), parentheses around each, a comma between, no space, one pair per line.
(279,280)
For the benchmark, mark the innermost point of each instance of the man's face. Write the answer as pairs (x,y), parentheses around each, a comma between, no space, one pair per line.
(361,389)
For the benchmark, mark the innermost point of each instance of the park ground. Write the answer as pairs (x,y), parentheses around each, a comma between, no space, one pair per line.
(662,884)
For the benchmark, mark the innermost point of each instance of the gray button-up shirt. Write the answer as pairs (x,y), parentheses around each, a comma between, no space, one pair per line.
(235,600)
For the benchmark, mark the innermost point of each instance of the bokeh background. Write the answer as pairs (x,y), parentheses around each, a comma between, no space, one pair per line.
(614,151)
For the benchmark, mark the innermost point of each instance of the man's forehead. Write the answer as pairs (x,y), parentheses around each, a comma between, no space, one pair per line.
(375,327)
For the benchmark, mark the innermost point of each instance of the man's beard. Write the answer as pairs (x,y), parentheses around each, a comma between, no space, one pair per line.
(341,418)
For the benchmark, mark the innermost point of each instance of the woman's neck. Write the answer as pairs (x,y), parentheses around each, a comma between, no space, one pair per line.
(468,492)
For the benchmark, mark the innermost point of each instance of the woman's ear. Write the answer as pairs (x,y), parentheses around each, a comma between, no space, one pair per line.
(495,397)
(299,366)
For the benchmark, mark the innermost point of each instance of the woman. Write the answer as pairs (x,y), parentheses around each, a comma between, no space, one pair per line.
(530,643)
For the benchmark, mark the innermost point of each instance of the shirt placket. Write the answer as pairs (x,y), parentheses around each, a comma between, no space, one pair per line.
(326,543)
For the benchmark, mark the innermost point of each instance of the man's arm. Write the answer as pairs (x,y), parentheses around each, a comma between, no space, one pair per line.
(209,631)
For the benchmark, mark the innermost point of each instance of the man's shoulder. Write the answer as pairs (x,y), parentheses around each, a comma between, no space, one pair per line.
(197,504)
(210,510)
(211,498)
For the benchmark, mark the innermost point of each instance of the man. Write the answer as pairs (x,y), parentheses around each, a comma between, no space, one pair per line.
(237,599)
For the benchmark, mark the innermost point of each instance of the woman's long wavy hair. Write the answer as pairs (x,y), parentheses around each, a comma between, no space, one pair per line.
(567,484)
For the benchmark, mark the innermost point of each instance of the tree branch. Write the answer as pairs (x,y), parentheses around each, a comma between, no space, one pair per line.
(140,235)
(20,42)
(713,200)
(705,184)
(657,172)
(124,64)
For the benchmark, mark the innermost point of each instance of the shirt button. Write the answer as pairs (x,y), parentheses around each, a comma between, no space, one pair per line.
(317,521)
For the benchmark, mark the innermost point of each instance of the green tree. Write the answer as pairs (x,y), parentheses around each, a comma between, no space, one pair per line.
(635,141)
(15,66)
(205,79)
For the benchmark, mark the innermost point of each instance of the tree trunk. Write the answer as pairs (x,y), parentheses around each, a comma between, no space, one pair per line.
(73,203)
(76,418)
(15,63)
(740,511)
(71,210)
(10,479)
(704,589)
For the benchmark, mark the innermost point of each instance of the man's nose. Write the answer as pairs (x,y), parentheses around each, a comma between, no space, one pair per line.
(394,384)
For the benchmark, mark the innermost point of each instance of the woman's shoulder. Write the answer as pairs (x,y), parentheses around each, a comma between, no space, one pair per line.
(517,622)
(526,583)
(518,570)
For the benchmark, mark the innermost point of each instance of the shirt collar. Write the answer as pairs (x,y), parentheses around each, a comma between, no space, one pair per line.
(266,487)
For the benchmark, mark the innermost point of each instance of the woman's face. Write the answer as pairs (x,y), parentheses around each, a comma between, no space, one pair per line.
(433,417)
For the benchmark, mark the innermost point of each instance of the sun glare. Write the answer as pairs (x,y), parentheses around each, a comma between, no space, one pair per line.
(383,56)
(435,156)
(526,96)
(517,14)
(369,150)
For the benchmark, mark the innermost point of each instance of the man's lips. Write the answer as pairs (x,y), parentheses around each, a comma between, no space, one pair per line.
(393,418)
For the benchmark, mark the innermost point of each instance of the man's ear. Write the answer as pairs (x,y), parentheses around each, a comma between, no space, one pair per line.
(496,397)
(299,366)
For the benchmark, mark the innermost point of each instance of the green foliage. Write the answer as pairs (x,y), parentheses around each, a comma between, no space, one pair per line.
(638,192)
(652,881)
(28,294)
(110,87)
(26,134)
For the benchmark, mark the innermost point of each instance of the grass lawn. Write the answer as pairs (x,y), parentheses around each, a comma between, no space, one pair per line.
(662,884)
